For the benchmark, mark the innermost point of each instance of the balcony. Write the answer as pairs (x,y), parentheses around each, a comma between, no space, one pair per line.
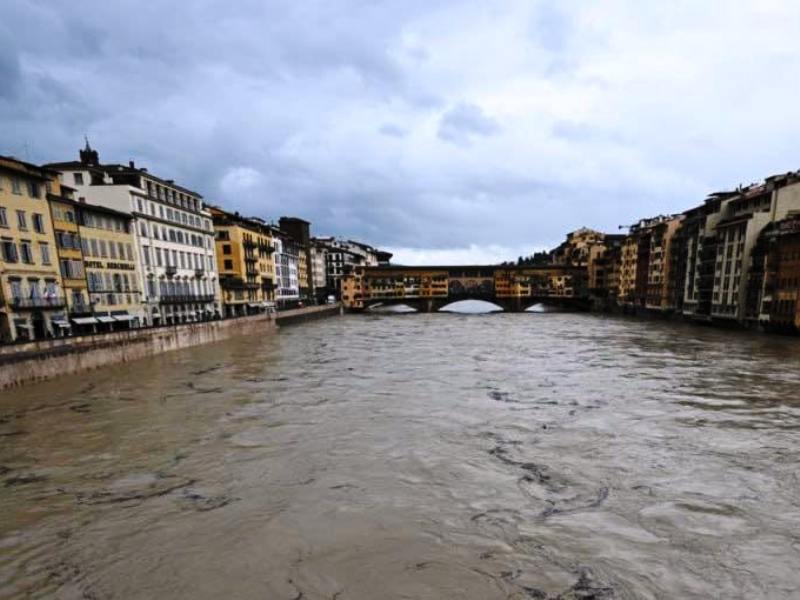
(199,273)
(266,248)
(186,298)
(170,271)
(28,303)
(249,244)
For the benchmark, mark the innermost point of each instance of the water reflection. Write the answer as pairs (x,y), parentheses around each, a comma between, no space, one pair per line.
(568,456)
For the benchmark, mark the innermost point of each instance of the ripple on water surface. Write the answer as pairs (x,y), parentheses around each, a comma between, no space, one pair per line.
(417,456)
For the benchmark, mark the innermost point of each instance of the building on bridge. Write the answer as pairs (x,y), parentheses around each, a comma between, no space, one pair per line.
(515,288)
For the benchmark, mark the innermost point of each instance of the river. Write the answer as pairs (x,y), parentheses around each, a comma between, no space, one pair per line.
(558,456)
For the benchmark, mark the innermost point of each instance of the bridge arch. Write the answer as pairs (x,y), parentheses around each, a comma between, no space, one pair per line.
(470,306)
(394,308)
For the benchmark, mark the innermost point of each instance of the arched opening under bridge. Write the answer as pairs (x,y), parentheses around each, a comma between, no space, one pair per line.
(471,307)
(391,309)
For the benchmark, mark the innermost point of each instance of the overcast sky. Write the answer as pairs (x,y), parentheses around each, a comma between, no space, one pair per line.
(447,131)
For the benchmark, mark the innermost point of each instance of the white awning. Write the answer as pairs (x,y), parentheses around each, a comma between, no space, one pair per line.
(84,320)
(64,324)
(104,319)
(123,317)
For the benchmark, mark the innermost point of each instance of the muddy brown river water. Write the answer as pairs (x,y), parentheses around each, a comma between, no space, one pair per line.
(419,456)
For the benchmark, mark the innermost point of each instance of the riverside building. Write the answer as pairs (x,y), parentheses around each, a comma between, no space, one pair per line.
(174,237)
(245,260)
(287,270)
(300,231)
(33,303)
(738,293)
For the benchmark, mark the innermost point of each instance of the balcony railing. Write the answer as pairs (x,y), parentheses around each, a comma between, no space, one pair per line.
(51,302)
(199,273)
(185,298)
(170,271)
(249,244)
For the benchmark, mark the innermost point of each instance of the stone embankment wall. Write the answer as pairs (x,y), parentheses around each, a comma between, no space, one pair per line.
(300,315)
(35,361)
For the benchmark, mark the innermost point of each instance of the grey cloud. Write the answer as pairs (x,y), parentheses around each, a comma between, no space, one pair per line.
(306,107)
(392,130)
(464,121)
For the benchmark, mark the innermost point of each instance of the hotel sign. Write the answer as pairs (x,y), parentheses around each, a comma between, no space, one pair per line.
(96,264)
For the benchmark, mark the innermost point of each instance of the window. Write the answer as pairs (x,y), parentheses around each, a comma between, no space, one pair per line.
(16,186)
(3,217)
(77,178)
(34,190)
(158,257)
(129,252)
(38,223)
(226,248)
(95,250)
(9,251)
(44,251)
(103,249)
(22,221)
(25,252)
(71,269)
(16,289)
(228,265)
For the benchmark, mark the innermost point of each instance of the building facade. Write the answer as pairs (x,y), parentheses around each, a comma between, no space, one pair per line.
(33,303)
(287,250)
(300,231)
(65,220)
(112,272)
(173,234)
(245,261)
(319,282)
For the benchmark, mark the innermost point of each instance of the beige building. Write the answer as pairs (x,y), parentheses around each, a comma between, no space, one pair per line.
(627,269)
(743,218)
(660,263)
(112,271)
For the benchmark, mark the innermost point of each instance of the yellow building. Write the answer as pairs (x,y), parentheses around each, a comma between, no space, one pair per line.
(302,274)
(70,257)
(33,304)
(511,283)
(244,249)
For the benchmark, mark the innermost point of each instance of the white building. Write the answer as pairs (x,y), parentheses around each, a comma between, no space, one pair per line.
(173,232)
(319,280)
(342,255)
(287,290)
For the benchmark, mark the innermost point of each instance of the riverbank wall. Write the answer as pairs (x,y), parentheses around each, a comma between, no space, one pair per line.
(45,359)
(309,313)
